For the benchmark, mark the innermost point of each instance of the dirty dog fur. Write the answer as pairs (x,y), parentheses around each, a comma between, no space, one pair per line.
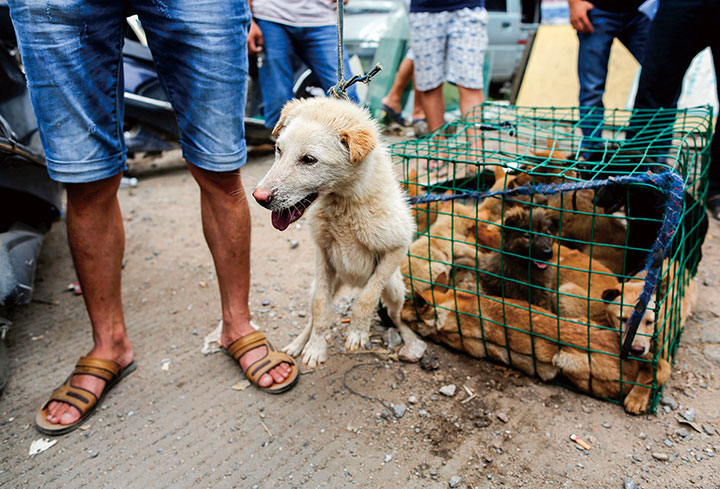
(540,353)
(508,270)
(329,159)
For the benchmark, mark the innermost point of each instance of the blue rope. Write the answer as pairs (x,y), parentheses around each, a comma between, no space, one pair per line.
(669,182)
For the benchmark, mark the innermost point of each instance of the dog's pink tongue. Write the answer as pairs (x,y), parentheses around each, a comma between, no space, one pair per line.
(281,220)
(541,266)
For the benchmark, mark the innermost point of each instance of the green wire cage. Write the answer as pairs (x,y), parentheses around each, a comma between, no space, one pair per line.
(546,283)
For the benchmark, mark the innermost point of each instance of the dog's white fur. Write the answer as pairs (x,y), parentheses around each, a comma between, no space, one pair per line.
(360,222)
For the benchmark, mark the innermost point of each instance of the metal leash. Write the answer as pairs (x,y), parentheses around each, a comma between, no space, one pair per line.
(339,91)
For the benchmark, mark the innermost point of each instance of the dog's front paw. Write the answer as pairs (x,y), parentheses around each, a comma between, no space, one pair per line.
(356,338)
(315,352)
(295,347)
(413,351)
(636,401)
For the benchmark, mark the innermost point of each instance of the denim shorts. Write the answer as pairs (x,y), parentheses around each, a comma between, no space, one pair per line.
(72,52)
(449,46)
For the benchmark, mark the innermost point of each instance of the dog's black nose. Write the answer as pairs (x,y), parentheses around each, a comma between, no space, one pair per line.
(263,196)
(546,253)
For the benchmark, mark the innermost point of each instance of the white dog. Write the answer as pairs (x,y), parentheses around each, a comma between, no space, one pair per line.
(329,158)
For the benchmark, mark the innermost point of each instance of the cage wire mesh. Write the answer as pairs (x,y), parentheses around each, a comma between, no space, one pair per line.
(545,283)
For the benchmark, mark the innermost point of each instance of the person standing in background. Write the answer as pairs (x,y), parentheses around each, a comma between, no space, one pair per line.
(598,23)
(448,39)
(285,31)
(680,30)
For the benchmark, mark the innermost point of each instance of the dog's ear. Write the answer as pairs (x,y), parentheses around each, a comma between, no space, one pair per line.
(514,217)
(610,295)
(360,142)
(285,113)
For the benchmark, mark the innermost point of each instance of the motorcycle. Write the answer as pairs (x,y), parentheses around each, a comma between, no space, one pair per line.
(29,199)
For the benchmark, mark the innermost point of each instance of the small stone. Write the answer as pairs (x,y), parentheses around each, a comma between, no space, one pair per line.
(670,402)
(666,409)
(448,390)
(266,302)
(660,456)
(668,443)
(256,486)
(294,244)
(689,415)
(388,457)
(301,314)
(430,362)
(642,435)
(488,460)
(399,410)
(455,481)
(412,352)
(412,400)
(483,422)
(93,454)
(630,484)
(392,338)
(607,426)
(502,417)
(682,433)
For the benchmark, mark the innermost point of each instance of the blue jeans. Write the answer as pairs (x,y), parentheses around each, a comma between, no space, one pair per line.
(72,52)
(632,30)
(283,46)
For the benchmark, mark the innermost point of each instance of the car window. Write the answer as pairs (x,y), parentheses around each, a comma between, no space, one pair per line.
(496,5)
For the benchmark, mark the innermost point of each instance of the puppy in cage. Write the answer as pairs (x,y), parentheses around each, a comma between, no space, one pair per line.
(521,269)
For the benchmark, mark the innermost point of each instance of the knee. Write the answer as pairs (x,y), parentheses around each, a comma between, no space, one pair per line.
(228,183)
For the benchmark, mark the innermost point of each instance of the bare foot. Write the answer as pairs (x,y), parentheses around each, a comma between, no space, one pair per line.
(63,413)
(274,376)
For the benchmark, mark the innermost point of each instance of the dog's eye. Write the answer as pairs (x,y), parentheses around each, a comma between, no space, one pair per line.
(278,150)
(308,159)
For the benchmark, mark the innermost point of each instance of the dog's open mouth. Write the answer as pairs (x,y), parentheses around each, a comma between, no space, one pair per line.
(540,265)
(283,218)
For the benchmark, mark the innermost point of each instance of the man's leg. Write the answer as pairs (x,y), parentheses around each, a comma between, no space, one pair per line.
(317,47)
(593,56)
(97,242)
(635,35)
(200,50)
(277,71)
(428,40)
(404,75)
(226,225)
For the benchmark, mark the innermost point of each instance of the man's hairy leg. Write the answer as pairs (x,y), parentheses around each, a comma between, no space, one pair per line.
(97,241)
(226,225)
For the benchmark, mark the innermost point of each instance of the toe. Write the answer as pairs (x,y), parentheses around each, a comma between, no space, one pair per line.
(266,381)
(277,375)
(70,416)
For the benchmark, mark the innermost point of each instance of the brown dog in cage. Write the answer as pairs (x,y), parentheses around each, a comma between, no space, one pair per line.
(535,342)
(433,253)
(621,307)
(520,270)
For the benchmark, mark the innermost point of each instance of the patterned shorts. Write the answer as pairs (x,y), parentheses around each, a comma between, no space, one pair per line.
(449,46)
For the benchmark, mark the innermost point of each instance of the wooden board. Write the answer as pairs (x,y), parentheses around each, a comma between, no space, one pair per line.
(550,79)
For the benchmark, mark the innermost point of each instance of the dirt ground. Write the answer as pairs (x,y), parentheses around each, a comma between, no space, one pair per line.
(186,427)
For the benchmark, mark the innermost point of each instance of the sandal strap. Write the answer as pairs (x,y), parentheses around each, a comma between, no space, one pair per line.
(81,399)
(106,370)
(244,344)
(262,366)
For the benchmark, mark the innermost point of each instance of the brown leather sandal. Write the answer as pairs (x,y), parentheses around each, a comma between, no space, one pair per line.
(260,367)
(82,399)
